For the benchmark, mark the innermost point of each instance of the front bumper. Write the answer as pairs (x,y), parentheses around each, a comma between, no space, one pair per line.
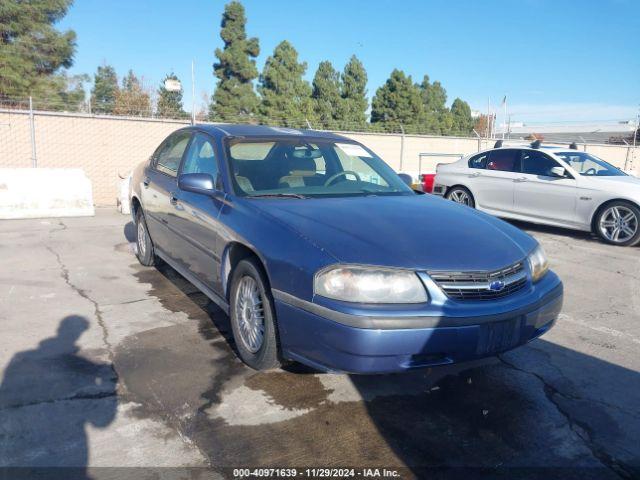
(330,344)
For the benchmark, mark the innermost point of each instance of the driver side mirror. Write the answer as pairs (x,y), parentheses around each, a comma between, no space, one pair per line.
(197,183)
(558,172)
(406,178)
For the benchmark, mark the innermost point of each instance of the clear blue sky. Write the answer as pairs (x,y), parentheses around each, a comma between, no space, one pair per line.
(557,60)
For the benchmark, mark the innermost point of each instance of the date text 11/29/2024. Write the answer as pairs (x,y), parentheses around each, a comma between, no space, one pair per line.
(315,473)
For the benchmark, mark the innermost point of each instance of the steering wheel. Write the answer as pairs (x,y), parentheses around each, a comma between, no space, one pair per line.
(341,174)
(590,171)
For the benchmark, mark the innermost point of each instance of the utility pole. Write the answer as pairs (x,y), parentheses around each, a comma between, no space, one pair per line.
(193,93)
(635,130)
(402,146)
(488,117)
(635,138)
(32,128)
(504,126)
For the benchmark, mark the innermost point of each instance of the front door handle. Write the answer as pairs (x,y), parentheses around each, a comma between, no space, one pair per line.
(474,174)
(173,198)
(146,182)
(520,180)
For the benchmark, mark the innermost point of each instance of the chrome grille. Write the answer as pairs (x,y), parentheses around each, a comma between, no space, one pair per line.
(477,285)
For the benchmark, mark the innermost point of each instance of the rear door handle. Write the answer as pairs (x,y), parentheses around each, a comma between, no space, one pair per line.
(146,181)
(173,198)
(475,174)
(520,180)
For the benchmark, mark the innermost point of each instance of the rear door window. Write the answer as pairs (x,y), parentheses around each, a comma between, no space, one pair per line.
(504,160)
(479,161)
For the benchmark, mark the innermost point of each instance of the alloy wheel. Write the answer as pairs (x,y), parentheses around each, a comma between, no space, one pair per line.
(618,224)
(142,238)
(250,314)
(460,196)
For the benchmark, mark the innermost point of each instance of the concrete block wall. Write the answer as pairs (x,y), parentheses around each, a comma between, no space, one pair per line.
(108,148)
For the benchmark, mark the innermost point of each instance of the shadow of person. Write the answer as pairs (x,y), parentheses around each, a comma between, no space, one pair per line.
(47,397)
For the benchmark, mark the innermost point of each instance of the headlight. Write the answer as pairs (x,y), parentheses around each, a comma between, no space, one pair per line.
(538,263)
(369,285)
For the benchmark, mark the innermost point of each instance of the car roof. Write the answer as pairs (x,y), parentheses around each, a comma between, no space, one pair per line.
(238,130)
(547,149)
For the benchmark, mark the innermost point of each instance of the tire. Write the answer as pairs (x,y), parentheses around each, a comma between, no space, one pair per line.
(144,245)
(618,223)
(461,195)
(254,329)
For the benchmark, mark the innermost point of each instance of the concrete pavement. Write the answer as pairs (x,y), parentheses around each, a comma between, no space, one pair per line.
(105,363)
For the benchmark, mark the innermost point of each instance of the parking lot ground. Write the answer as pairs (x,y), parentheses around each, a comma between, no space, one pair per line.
(105,363)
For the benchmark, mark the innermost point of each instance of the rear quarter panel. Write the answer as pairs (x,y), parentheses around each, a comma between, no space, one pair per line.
(453,174)
(135,186)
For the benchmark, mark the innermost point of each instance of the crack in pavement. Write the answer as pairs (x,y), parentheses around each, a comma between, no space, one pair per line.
(575,397)
(80,396)
(178,428)
(83,293)
(128,302)
(583,430)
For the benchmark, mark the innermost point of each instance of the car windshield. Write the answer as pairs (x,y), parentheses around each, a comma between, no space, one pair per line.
(300,168)
(589,165)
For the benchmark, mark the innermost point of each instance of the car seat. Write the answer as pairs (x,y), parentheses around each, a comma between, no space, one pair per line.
(301,170)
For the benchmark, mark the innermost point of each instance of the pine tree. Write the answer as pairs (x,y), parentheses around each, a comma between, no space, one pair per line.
(31,49)
(170,102)
(354,94)
(326,95)
(286,96)
(105,89)
(434,99)
(234,96)
(461,115)
(132,99)
(434,96)
(72,94)
(398,101)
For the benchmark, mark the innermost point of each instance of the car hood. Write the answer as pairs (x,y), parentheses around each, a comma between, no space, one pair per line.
(415,232)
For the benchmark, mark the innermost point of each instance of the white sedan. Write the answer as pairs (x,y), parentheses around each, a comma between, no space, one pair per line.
(551,186)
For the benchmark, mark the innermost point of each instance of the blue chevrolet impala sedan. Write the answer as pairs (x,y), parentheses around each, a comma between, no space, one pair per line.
(321,254)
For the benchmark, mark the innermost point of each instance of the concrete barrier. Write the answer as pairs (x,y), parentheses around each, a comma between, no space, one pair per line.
(44,192)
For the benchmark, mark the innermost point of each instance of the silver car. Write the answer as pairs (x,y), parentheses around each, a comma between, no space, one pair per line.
(562,187)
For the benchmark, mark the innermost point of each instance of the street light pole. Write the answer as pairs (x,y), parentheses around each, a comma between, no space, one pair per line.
(193,93)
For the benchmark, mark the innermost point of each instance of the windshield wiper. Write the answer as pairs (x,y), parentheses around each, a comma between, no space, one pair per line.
(369,192)
(277,195)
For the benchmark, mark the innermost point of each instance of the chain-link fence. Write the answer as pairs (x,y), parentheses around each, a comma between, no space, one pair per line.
(136,107)
(108,146)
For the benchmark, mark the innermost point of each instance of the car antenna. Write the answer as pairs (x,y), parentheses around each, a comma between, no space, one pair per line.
(498,144)
(573,146)
(536,143)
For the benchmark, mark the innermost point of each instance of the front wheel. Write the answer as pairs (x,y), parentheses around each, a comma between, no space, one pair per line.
(619,224)
(253,317)
(144,246)
(461,195)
